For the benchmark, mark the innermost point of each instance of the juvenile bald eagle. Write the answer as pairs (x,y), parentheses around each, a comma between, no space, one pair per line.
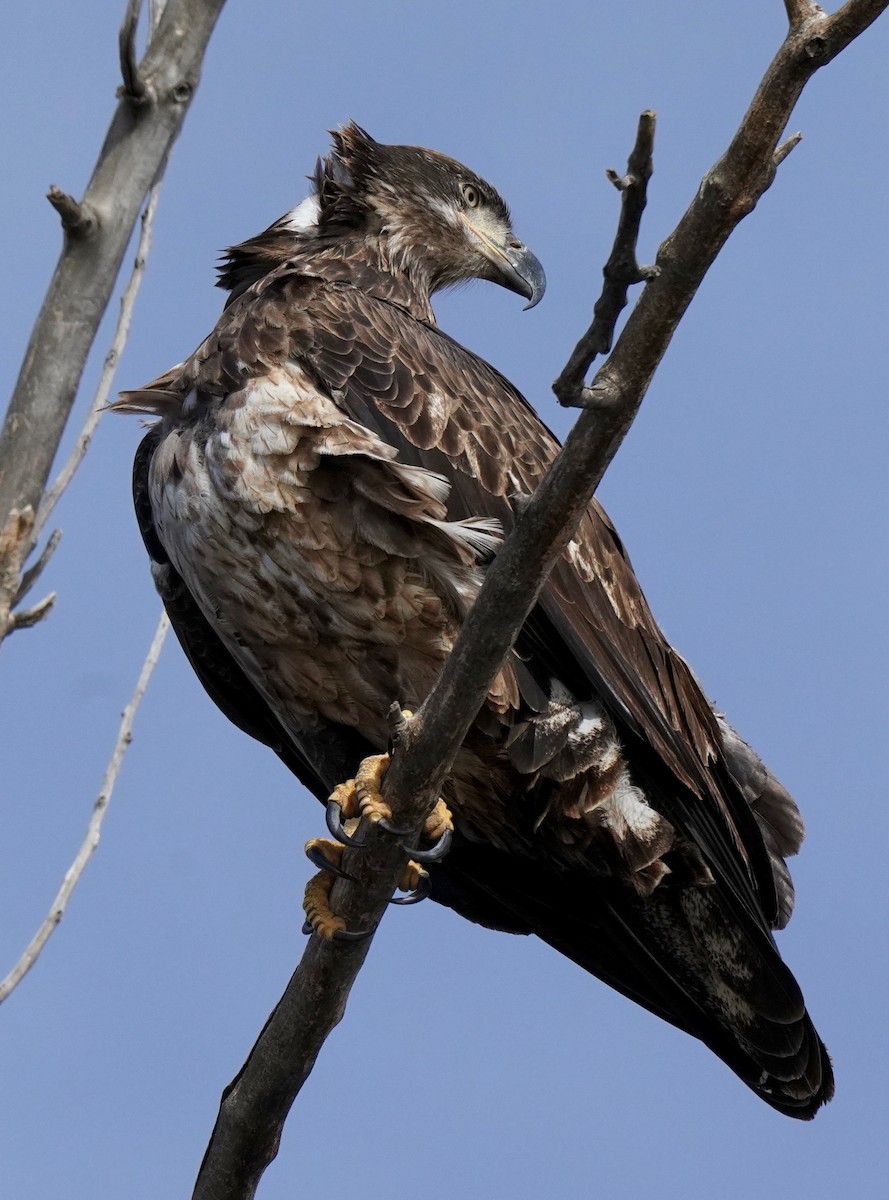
(328,477)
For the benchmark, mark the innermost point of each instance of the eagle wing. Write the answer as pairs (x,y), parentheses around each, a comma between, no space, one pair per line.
(447,410)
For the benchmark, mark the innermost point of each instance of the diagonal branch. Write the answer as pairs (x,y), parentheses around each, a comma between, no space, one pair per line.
(255,1105)
(622,269)
(94,829)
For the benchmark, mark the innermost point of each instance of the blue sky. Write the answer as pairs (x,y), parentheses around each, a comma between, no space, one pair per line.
(750,493)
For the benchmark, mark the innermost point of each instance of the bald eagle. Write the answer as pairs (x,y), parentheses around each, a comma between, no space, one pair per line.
(329,475)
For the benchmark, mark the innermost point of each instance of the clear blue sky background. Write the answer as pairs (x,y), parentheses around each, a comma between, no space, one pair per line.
(751,494)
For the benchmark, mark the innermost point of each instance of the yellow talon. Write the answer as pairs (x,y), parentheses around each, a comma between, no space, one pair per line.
(332,851)
(316,904)
(439,821)
(344,795)
(368,781)
(359,798)
(411,876)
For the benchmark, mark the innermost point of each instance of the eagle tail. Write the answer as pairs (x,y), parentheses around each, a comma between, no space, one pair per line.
(685,954)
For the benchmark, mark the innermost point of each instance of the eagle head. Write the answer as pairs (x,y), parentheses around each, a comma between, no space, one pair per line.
(414,213)
(435,219)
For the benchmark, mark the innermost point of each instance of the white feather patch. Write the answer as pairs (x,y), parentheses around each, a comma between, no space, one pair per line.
(304,217)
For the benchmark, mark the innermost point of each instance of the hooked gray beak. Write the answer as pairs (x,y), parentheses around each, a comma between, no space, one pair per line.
(513,265)
(521,272)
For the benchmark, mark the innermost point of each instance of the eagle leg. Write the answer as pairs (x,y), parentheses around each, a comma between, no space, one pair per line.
(368,781)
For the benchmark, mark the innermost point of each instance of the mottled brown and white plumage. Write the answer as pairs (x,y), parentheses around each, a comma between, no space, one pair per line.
(329,475)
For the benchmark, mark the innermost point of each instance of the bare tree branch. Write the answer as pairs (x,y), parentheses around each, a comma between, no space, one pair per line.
(26,618)
(33,573)
(109,369)
(132,85)
(94,830)
(78,220)
(150,112)
(255,1105)
(622,270)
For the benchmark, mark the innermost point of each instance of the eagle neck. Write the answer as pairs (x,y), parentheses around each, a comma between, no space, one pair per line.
(367,263)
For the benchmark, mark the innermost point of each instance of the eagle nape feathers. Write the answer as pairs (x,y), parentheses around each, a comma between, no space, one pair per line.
(328,476)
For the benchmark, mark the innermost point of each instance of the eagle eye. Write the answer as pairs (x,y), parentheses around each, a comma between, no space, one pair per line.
(471,195)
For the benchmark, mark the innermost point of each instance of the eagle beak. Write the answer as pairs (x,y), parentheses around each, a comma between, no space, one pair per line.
(522,272)
(514,266)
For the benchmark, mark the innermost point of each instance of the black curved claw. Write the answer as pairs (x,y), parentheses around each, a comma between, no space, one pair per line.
(341,935)
(434,853)
(420,892)
(316,856)
(393,829)
(352,935)
(334,818)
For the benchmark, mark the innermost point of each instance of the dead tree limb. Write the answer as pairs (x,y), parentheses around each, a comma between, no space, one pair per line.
(622,269)
(109,369)
(152,106)
(90,841)
(255,1105)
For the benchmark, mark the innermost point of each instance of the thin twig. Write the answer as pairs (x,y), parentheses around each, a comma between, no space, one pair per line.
(133,83)
(33,573)
(622,269)
(27,618)
(94,829)
(78,220)
(784,149)
(109,370)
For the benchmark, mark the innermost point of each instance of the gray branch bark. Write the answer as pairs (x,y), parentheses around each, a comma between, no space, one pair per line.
(255,1105)
(152,106)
